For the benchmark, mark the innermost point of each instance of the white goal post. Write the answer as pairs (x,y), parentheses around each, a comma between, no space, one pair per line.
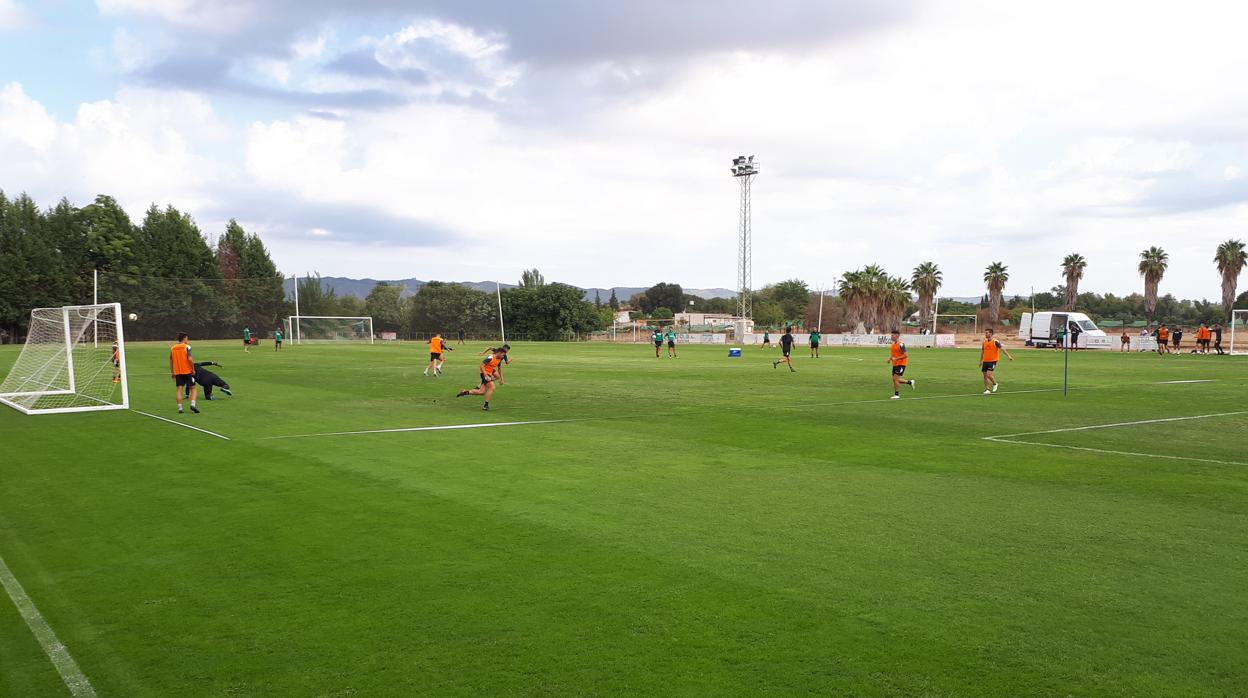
(329,328)
(74,360)
(1239,332)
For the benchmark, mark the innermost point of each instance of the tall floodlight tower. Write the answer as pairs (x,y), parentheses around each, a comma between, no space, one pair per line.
(744,169)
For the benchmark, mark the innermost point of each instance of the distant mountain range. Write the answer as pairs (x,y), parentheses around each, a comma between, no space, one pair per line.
(360,288)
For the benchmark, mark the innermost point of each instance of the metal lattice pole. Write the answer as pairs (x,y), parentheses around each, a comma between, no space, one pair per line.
(745,170)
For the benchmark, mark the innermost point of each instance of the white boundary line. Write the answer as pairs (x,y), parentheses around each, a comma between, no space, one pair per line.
(1200,380)
(444,427)
(1010,438)
(181,424)
(73,677)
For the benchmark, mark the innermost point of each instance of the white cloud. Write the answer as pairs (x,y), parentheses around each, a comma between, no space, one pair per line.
(13,15)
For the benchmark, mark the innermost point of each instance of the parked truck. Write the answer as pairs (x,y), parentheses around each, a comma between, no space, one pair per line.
(1041,329)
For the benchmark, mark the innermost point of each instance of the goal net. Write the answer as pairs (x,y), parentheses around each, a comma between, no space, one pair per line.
(1239,332)
(323,328)
(74,360)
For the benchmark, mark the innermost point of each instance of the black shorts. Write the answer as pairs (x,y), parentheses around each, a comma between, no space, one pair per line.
(435,357)
(486,379)
(814,345)
(246,342)
(988,366)
(671,344)
(184,379)
(786,350)
(899,370)
(116,363)
(658,344)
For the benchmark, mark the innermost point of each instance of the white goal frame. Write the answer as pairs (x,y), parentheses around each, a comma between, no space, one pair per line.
(296,335)
(7,398)
(1242,316)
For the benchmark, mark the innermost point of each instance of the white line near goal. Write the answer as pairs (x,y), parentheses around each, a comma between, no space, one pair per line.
(1013,438)
(73,677)
(181,424)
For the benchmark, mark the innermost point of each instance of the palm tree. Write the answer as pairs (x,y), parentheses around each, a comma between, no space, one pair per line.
(926,280)
(1072,268)
(854,295)
(1230,259)
(1153,263)
(995,277)
(894,297)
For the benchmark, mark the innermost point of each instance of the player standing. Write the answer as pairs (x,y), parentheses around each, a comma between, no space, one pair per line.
(1125,341)
(658,341)
(1217,338)
(246,339)
(1163,340)
(786,348)
(182,368)
(814,343)
(989,355)
(277,339)
(671,342)
(491,374)
(899,359)
(116,363)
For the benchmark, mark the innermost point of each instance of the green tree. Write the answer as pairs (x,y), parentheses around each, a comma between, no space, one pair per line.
(613,301)
(110,236)
(926,280)
(180,286)
(443,307)
(792,296)
(385,304)
(661,295)
(32,275)
(1230,259)
(995,277)
(1153,264)
(253,285)
(532,278)
(316,297)
(1072,271)
(549,312)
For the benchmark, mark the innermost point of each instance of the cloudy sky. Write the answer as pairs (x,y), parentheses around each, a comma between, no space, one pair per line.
(467,140)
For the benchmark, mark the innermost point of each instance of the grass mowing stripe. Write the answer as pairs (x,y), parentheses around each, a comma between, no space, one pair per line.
(73,677)
(188,426)
(444,427)
(1117,424)
(1115,453)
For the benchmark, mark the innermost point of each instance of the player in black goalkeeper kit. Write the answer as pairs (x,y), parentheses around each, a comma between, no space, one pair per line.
(209,380)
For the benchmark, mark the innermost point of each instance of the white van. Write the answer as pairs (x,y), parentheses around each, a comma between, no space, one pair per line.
(1041,329)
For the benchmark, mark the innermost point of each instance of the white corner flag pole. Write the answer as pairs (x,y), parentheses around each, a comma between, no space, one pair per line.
(501,331)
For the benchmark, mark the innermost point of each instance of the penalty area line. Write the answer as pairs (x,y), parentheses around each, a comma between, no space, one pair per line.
(181,424)
(1011,438)
(73,677)
(443,427)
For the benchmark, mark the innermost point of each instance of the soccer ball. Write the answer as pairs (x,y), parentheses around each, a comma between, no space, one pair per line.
(134,316)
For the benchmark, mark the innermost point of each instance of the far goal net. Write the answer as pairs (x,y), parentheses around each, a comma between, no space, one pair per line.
(74,360)
(323,328)
(1239,332)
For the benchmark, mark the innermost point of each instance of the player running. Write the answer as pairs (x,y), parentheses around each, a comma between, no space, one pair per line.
(767,339)
(246,339)
(491,375)
(989,355)
(899,359)
(786,348)
(658,341)
(671,342)
(436,346)
(814,343)
(182,368)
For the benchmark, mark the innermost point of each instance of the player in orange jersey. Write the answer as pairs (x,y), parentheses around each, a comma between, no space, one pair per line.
(491,376)
(182,368)
(437,345)
(899,359)
(989,354)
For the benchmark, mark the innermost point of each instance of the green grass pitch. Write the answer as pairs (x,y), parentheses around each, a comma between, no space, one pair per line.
(701,526)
